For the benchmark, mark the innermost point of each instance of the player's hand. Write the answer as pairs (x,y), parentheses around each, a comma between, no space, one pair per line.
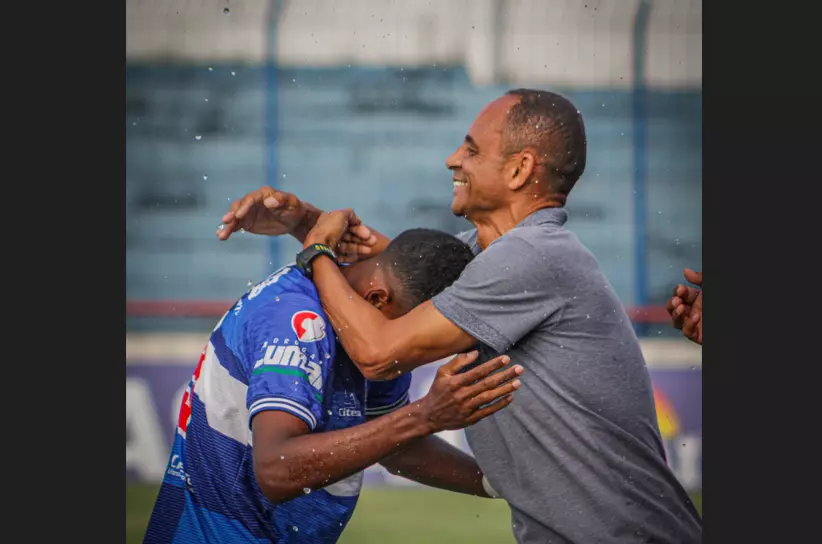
(457,400)
(357,243)
(265,211)
(331,226)
(685,307)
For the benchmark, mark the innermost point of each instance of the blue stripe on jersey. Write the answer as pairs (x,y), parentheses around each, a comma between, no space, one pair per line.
(227,358)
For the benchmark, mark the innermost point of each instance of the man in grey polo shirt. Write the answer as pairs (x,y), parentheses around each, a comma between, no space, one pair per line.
(578,456)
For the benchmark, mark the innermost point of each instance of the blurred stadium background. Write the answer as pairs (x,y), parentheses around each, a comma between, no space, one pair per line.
(357,103)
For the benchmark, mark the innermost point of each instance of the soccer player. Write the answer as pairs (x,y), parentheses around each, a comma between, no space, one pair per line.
(278,424)
(685,307)
(579,457)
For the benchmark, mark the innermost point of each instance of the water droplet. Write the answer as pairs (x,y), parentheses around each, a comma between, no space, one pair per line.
(329,412)
(233,73)
(306,490)
(220,227)
(210,69)
(225,11)
(293,80)
(296,529)
(206,99)
(282,456)
(241,231)
(587,316)
(327,356)
(134,123)
(277,299)
(603,105)
(205,177)
(659,212)
(249,284)
(198,137)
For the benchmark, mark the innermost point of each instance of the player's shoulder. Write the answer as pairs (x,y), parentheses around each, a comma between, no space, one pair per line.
(281,288)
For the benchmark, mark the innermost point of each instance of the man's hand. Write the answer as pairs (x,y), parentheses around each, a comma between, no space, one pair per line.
(459,400)
(267,211)
(331,226)
(685,307)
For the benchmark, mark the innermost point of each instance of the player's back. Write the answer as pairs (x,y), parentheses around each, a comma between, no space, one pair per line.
(271,350)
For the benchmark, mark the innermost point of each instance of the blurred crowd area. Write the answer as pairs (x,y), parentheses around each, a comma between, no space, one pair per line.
(357,103)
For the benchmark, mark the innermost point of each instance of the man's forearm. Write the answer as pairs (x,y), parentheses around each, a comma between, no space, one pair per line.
(316,460)
(364,340)
(434,462)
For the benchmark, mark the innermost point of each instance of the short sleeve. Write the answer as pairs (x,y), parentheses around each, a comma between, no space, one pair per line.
(505,292)
(288,351)
(385,397)
(469,238)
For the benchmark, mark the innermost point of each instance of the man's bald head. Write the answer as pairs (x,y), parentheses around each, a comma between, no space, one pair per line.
(552,126)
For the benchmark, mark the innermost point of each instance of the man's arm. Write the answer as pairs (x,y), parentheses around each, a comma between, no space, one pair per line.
(503,294)
(434,462)
(382,348)
(288,458)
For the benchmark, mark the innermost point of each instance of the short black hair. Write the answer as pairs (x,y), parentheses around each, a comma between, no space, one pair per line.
(552,125)
(425,262)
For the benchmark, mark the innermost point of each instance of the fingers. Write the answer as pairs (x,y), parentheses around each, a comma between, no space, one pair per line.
(494,386)
(490,396)
(459,362)
(363,234)
(488,410)
(693,277)
(690,328)
(483,370)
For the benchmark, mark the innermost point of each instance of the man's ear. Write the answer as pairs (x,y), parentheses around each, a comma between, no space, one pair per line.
(378,297)
(520,168)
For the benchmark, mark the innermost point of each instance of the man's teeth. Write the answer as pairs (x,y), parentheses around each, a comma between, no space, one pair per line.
(460,184)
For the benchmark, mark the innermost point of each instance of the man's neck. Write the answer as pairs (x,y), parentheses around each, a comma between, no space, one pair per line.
(492,225)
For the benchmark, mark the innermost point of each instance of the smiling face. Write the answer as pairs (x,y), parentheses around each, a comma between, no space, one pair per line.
(478,163)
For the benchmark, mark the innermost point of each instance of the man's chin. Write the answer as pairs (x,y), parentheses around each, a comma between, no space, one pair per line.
(458,208)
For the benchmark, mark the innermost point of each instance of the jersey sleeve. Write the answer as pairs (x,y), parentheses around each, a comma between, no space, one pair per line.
(287,351)
(505,292)
(385,397)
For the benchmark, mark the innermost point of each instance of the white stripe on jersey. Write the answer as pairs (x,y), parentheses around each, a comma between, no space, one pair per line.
(224,398)
(280,403)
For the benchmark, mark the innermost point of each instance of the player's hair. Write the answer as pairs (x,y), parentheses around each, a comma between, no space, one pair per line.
(424,262)
(553,126)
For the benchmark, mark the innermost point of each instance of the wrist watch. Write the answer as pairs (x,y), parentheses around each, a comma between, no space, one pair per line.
(307,255)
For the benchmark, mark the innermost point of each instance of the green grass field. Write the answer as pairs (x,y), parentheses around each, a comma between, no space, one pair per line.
(388,516)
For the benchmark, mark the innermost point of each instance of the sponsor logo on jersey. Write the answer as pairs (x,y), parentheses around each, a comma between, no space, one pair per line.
(308,326)
(290,360)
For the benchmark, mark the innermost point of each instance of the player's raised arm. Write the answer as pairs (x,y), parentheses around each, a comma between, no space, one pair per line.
(271,212)
(288,459)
